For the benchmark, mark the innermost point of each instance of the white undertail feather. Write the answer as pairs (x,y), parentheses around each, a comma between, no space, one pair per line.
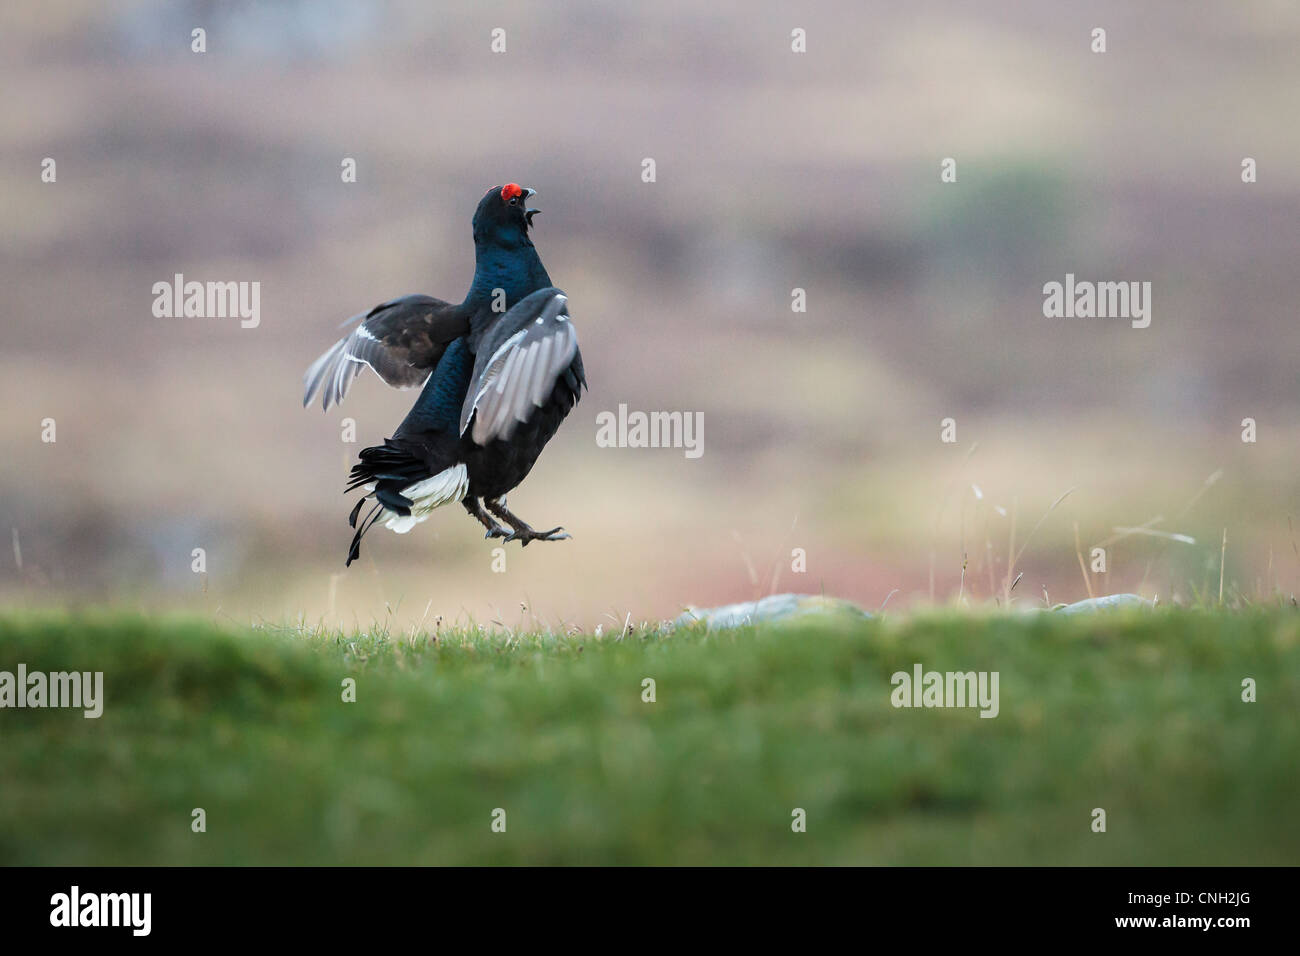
(444,488)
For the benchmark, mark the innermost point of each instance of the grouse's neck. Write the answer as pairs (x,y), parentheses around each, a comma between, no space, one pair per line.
(515,268)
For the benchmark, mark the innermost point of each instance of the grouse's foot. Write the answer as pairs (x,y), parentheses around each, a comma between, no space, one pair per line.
(494,530)
(521,532)
(525,534)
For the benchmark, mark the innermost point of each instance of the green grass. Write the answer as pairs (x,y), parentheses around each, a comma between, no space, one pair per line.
(1140,715)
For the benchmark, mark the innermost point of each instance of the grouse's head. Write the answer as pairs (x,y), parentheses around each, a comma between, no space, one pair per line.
(503,214)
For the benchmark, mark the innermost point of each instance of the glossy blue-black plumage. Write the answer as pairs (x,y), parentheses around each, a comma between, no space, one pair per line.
(438,407)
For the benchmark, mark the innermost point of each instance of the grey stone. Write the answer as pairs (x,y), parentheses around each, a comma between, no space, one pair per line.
(777,607)
(1109,602)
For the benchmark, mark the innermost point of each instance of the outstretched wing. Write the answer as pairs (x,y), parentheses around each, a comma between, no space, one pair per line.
(401,340)
(519,363)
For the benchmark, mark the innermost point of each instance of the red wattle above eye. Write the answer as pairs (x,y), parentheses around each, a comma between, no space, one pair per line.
(511,190)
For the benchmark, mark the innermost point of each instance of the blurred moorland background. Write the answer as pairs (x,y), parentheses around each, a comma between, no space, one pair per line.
(775,170)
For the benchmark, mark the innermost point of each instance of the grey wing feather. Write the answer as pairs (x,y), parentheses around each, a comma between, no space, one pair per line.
(522,371)
(400,340)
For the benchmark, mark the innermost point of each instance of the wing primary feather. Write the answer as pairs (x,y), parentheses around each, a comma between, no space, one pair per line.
(544,363)
(318,371)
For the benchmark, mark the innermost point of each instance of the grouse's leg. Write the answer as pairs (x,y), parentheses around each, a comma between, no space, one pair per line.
(494,530)
(521,532)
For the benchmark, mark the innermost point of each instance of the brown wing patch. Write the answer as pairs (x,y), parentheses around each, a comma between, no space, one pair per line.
(400,340)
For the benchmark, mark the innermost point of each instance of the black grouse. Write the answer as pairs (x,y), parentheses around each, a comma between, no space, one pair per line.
(501,383)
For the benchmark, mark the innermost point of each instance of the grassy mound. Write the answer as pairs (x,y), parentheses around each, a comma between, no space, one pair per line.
(1138,714)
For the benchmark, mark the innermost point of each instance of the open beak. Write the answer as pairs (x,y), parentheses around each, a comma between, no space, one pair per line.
(529,213)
